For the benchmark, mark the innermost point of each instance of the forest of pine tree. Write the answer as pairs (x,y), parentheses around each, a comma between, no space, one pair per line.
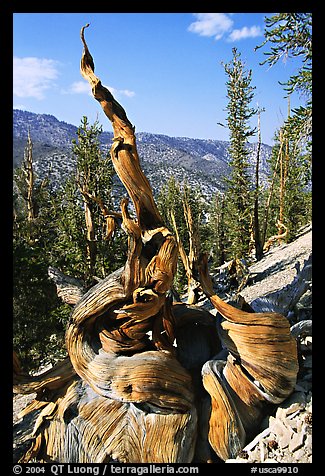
(77,228)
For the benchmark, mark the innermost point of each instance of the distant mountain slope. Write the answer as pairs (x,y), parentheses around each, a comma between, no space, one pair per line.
(48,134)
(203,162)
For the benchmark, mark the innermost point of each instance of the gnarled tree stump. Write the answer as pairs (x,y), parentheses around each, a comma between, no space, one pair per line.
(142,383)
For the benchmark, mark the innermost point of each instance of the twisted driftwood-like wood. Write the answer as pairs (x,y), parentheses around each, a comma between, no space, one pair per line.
(262,368)
(143,381)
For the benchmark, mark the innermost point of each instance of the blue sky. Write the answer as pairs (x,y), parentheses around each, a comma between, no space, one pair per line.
(164,68)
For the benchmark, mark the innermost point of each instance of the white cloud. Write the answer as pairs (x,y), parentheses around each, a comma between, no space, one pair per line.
(219,24)
(33,76)
(121,92)
(79,87)
(245,32)
(82,87)
(127,92)
(211,24)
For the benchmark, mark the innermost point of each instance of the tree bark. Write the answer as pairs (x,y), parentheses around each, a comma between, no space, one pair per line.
(128,374)
(261,368)
(257,236)
(69,289)
(268,203)
(29,178)
(194,252)
(109,216)
(189,261)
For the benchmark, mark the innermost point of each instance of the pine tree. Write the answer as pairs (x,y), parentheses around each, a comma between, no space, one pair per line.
(94,180)
(289,192)
(50,229)
(238,196)
(290,35)
(169,203)
(289,198)
(184,210)
(83,210)
(215,231)
(38,327)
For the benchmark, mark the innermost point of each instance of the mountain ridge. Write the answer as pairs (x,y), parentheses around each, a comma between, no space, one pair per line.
(202,162)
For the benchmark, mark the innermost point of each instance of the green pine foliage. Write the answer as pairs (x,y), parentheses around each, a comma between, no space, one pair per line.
(56,236)
(38,329)
(239,198)
(171,198)
(297,199)
(215,232)
(290,35)
(94,172)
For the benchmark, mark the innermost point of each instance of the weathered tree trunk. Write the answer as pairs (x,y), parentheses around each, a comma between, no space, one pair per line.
(29,177)
(194,252)
(190,261)
(261,368)
(278,238)
(69,289)
(284,167)
(109,216)
(91,245)
(91,239)
(257,235)
(283,176)
(126,393)
(268,203)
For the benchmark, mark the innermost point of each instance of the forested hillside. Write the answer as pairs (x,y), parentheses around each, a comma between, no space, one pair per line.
(117,240)
(203,163)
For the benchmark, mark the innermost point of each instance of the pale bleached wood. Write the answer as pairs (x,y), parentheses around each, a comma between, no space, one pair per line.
(68,288)
(261,369)
(226,431)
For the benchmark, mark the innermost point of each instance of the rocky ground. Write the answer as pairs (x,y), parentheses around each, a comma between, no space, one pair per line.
(285,435)
(278,269)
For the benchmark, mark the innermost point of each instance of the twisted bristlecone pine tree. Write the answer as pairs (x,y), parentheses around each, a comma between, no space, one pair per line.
(142,381)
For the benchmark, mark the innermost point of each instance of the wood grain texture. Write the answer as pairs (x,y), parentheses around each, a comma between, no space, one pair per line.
(261,369)
(226,431)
